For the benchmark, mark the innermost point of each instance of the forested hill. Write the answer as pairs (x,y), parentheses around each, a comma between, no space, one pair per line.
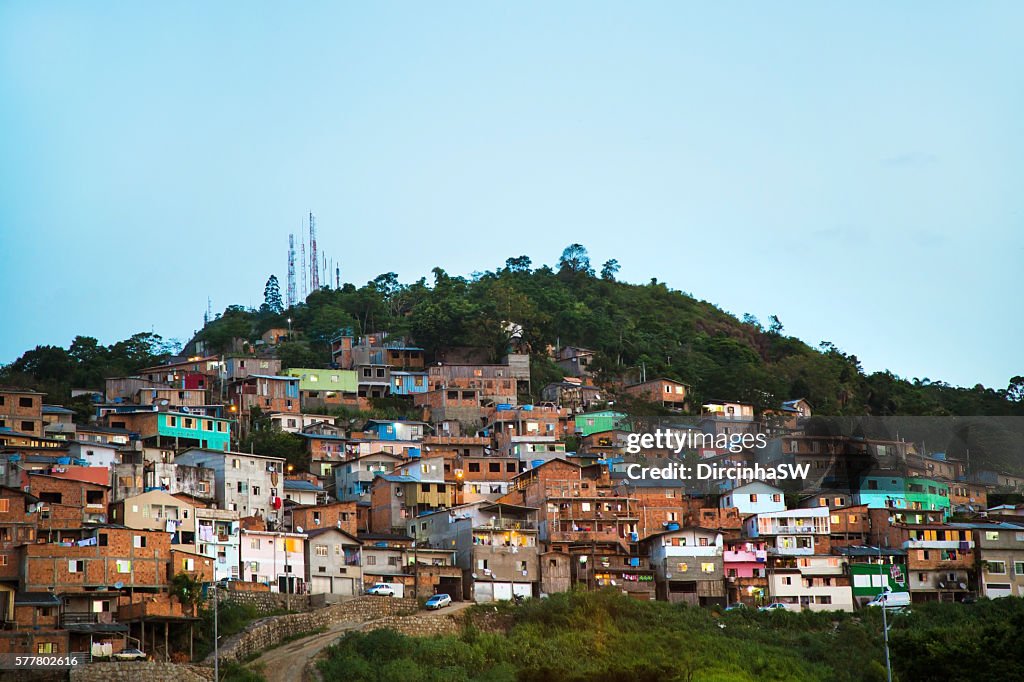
(668,332)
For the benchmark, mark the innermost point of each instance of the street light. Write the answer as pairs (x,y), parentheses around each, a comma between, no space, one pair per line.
(289,328)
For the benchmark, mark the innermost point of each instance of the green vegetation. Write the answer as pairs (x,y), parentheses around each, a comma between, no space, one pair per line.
(606,636)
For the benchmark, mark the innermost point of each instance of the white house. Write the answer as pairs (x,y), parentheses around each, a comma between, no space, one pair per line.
(754,498)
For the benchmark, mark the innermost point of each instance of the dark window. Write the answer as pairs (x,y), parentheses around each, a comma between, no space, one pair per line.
(94,497)
(103,540)
(380,372)
(51,498)
(494,467)
(28,426)
(425,487)
(474,467)
(510,467)
(24,402)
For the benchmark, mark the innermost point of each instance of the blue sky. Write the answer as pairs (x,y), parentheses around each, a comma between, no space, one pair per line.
(853,169)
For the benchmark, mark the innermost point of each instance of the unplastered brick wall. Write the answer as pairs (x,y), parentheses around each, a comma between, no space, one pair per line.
(268,632)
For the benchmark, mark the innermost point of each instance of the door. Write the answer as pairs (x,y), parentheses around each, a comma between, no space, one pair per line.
(344,586)
(320,584)
(502,591)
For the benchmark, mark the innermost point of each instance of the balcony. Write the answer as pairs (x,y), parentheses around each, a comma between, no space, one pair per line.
(507,524)
(744,556)
(791,530)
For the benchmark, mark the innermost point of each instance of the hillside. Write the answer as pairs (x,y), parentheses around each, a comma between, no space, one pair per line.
(667,332)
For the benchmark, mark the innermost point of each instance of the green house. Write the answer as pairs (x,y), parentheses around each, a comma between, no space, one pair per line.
(873,569)
(212,433)
(604,420)
(340,380)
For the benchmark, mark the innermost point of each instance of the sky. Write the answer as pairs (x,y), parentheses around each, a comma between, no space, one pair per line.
(853,168)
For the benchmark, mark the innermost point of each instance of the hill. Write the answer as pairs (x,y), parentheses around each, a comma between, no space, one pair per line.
(667,332)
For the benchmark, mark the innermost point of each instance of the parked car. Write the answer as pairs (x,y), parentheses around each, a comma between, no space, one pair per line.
(774,606)
(439,601)
(736,606)
(382,590)
(129,655)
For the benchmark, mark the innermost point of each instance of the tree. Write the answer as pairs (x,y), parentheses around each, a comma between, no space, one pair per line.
(188,590)
(518,264)
(609,270)
(775,328)
(575,259)
(272,297)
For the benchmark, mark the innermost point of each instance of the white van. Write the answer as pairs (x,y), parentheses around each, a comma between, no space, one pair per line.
(891,600)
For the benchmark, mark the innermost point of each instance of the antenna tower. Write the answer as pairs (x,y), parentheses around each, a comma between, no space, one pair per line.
(291,271)
(315,276)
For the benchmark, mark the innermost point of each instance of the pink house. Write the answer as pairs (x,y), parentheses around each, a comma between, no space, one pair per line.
(274,559)
(745,560)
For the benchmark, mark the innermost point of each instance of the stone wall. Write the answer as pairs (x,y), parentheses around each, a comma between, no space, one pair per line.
(135,671)
(267,602)
(266,633)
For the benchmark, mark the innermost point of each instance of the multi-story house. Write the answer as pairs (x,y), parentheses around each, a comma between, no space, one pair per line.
(495,545)
(304,492)
(745,564)
(414,489)
(575,361)
(688,565)
(271,394)
(526,424)
(333,562)
(603,420)
(886,490)
(1000,563)
(67,507)
(21,410)
(353,478)
(174,429)
(157,510)
(322,388)
(814,583)
(849,526)
(941,558)
(325,449)
(218,537)
(274,559)
(245,483)
(794,532)
(242,366)
(484,478)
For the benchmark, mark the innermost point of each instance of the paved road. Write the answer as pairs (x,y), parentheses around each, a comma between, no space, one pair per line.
(286,663)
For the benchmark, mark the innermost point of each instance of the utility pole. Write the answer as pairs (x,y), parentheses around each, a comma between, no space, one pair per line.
(216,648)
(885,617)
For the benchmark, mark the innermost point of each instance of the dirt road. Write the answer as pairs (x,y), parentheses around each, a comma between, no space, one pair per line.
(286,663)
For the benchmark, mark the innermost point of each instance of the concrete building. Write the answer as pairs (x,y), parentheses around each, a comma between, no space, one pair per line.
(333,562)
(274,559)
(245,483)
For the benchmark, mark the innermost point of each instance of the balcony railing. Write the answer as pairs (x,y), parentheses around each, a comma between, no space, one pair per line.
(962,545)
(506,524)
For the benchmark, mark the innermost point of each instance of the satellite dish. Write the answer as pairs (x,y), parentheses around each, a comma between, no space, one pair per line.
(298,529)
(119,584)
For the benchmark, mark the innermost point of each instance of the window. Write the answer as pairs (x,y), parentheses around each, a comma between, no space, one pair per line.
(991,535)
(996,567)
(371,560)
(321,550)
(123,566)
(392,561)
(776,498)
(835,518)
(28,426)
(787,580)
(1018,568)
(510,467)
(254,543)
(24,402)
(235,464)
(76,566)
(707,568)
(474,467)
(44,648)
(140,540)
(5,505)
(255,490)
(753,498)
(494,467)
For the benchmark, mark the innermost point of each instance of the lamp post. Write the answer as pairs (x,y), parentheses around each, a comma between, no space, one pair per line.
(216,649)
(289,329)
